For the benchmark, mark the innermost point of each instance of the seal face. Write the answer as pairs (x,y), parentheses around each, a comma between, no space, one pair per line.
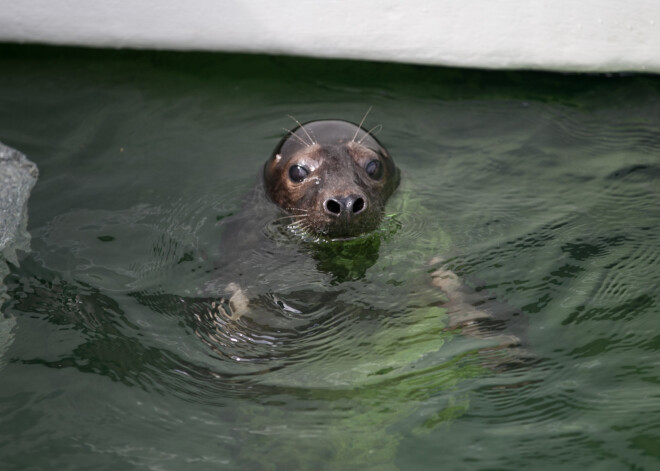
(332,177)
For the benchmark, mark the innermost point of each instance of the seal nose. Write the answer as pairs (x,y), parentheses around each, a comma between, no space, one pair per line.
(345,205)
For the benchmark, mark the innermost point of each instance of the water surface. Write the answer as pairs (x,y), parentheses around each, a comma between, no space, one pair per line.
(542,190)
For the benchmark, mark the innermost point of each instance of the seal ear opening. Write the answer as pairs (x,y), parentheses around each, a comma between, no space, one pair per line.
(269,167)
(272,162)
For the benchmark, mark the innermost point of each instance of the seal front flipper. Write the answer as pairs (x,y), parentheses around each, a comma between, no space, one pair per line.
(461,313)
(238,302)
(478,322)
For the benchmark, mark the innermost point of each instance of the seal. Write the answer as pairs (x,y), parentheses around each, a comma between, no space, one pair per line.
(332,177)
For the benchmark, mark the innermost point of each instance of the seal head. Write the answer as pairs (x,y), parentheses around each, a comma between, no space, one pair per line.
(332,177)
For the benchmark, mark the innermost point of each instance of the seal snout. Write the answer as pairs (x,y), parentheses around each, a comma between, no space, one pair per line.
(345,205)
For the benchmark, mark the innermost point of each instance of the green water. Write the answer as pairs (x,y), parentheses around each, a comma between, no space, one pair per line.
(541,189)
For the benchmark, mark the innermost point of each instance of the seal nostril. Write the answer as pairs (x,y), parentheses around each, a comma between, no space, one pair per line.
(358,205)
(333,206)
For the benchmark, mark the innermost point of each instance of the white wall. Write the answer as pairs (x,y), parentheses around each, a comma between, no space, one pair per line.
(568,35)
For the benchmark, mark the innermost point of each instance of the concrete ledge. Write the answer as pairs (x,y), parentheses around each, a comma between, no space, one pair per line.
(562,35)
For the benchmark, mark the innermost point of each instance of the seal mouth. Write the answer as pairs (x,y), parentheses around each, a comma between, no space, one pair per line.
(335,219)
(385,226)
(349,223)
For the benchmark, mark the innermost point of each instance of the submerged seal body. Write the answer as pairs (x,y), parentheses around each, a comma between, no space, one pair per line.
(332,177)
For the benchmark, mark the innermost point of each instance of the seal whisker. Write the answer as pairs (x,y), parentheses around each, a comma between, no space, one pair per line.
(305,228)
(360,125)
(298,223)
(312,141)
(371,132)
(298,209)
(293,217)
(300,139)
(299,228)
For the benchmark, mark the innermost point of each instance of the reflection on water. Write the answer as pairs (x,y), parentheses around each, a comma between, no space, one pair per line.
(541,191)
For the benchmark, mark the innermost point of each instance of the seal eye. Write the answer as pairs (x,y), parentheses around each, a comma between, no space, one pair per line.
(374,169)
(297,173)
